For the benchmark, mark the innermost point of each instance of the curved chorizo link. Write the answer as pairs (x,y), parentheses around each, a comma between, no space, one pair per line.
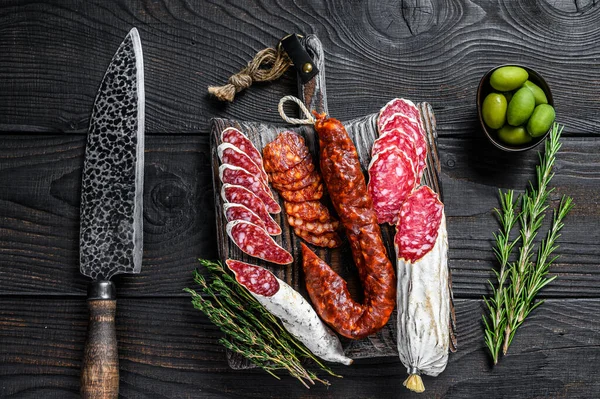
(345,182)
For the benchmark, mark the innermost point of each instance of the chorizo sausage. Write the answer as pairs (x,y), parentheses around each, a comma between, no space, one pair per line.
(341,171)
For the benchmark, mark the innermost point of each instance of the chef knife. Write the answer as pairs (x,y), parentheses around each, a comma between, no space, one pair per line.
(111,208)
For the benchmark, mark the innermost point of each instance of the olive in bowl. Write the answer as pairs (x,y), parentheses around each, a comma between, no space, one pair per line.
(515,107)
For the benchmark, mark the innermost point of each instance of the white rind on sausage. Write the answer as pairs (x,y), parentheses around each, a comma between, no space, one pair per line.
(423,302)
(300,319)
(221,148)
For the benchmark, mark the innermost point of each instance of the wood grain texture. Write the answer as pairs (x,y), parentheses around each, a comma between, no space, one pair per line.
(433,51)
(100,368)
(53,54)
(39,213)
(169,350)
(40,182)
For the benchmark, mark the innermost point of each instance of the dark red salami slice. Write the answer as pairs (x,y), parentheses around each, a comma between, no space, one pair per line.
(325,240)
(412,130)
(418,224)
(285,152)
(241,212)
(397,106)
(306,181)
(256,242)
(391,179)
(255,278)
(241,195)
(314,227)
(309,211)
(397,138)
(230,154)
(241,177)
(233,136)
(296,173)
(309,193)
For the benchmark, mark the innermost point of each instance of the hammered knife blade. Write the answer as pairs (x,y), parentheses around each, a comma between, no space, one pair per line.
(111,208)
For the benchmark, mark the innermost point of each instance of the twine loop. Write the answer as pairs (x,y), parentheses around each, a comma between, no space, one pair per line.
(268,64)
(309,120)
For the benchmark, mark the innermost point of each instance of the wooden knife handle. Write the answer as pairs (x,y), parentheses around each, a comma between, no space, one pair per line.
(100,371)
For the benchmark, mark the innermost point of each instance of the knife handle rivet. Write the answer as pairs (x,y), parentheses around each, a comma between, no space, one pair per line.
(307,68)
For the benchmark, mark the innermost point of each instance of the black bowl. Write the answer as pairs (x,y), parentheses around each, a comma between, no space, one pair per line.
(485,88)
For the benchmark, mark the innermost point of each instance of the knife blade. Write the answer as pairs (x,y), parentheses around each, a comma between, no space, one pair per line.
(111,208)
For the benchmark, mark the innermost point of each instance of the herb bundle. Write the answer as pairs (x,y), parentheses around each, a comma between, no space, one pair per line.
(519,281)
(252,331)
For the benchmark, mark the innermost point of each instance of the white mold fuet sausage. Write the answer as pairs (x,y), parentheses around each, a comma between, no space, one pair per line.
(296,314)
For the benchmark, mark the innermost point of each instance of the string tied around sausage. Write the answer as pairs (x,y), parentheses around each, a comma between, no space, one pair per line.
(309,118)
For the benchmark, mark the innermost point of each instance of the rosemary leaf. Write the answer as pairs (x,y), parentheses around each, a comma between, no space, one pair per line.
(251,330)
(519,282)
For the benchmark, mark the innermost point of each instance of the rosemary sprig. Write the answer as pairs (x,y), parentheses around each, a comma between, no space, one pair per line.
(252,330)
(518,282)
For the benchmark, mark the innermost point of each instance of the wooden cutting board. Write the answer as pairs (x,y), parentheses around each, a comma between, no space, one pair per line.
(363,132)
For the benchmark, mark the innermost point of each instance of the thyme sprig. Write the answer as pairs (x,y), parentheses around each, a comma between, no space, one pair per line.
(519,281)
(252,331)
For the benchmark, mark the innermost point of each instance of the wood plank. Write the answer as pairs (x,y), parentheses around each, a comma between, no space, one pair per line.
(169,350)
(433,51)
(39,214)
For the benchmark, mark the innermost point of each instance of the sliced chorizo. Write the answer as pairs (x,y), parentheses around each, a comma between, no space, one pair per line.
(312,192)
(294,174)
(306,181)
(309,211)
(325,240)
(285,152)
(314,227)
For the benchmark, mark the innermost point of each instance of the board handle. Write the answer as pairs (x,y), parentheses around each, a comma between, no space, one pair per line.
(313,92)
(100,370)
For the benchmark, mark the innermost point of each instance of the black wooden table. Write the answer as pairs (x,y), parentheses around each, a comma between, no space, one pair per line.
(53,55)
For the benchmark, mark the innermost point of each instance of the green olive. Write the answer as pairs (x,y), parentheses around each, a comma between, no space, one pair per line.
(520,107)
(508,78)
(541,120)
(514,135)
(538,93)
(494,110)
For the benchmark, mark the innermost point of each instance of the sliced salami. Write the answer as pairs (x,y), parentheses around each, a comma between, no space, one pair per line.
(306,181)
(326,240)
(311,193)
(397,138)
(256,279)
(241,177)
(309,211)
(397,106)
(413,130)
(417,228)
(241,212)
(391,179)
(285,152)
(296,173)
(256,242)
(230,154)
(296,314)
(314,227)
(241,195)
(233,136)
